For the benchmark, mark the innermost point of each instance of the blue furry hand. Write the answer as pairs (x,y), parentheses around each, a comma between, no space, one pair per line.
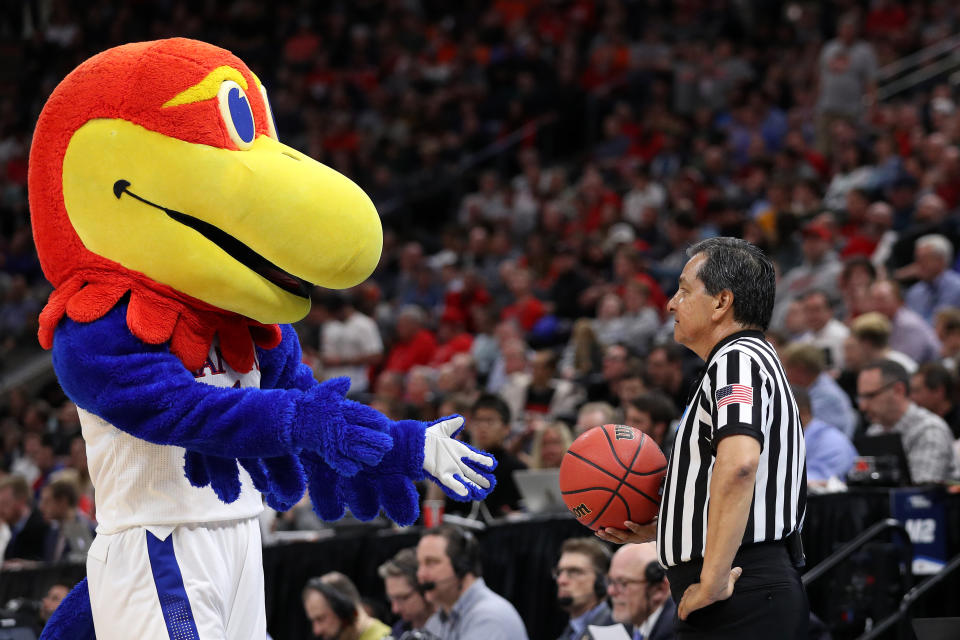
(461,471)
(347,434)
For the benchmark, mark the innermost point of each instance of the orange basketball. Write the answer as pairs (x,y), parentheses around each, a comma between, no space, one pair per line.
(611,474)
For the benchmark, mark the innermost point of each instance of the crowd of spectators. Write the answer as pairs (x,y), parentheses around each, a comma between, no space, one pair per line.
(540,168)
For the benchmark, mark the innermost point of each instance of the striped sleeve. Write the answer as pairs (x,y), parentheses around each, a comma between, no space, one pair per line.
(740,393)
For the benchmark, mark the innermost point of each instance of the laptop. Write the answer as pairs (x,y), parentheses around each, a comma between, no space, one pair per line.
(881,461)
(540,490)
(937,628)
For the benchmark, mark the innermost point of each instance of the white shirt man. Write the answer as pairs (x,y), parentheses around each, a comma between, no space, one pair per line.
(349,346)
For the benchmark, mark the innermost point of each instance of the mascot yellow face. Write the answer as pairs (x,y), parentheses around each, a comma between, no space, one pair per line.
(162,159)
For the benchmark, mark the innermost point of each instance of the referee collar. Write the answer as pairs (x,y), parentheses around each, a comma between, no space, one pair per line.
(746,333)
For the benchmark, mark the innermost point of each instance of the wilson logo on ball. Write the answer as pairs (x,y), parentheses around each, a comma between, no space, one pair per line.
(624,433)
(580,510)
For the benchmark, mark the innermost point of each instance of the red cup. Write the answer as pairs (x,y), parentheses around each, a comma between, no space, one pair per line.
(432,513)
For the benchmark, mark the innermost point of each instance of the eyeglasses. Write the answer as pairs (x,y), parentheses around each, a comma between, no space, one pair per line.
(401,597)
(870,395)
(623,583)
(573,572)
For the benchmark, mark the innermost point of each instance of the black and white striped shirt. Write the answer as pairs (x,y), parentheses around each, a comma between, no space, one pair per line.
(743,391)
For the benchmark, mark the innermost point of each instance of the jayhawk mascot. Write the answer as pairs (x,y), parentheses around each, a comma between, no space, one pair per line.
(182,238)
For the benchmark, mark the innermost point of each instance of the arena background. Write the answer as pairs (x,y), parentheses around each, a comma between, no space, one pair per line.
(539,168)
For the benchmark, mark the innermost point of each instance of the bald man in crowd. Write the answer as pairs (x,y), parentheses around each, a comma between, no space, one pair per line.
(640,593)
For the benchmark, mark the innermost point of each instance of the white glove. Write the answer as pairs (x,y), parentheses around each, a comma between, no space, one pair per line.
(462,471)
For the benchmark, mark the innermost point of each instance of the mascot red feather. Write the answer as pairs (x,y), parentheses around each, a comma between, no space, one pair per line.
(182,238)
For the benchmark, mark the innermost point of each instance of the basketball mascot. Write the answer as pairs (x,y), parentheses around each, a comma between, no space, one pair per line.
(182,238)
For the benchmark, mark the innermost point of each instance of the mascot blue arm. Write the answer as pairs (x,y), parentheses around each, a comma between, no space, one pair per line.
(146,391)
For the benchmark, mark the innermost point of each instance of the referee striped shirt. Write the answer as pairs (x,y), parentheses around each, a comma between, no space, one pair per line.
(743,391)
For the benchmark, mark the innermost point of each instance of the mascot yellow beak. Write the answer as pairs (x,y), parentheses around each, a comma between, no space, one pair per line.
(248,230)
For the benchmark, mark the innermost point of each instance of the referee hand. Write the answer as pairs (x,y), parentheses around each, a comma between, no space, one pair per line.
(632,533)
(700,595)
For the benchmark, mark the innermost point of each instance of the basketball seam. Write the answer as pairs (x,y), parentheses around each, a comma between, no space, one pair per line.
(621,480)
(572,491)
(613,449)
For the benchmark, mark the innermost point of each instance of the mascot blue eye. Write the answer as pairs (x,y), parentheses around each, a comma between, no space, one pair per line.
(236,114)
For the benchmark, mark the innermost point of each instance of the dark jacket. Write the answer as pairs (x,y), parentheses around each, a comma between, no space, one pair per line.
(28,542)
(601,617)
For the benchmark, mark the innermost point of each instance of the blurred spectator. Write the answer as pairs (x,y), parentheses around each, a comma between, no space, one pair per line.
(351,342)
(654,414)
(847,80)
(830,454)
(448,567)
(540,392)
(594,414)
(399,575)
(28,531)
(871,332)
(937,287)
(855,280)
(581,575)
(640,593)
(414,343)
(947,326)
(934,387)
(883,391)
(525,307)
(333,606)
(665,372)
(54,596)
(909,333)
(824,331)
(603,388)
(930,218)
(568,283)
(820,270)
(71,532)
(451,336)
(549,444)
(805,368)
(488,428)
(583,353)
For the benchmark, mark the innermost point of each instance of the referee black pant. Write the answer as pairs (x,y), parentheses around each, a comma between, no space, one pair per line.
(768,600)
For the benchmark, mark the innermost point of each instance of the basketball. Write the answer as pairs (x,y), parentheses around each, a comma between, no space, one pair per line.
(611,474)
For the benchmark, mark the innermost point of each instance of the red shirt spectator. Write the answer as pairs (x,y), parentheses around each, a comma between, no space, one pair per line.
(414,344)
(453,339)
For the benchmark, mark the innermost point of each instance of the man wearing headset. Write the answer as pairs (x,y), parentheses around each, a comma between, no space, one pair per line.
(581,575)
(449,572)
(400,583)
(333,605)
(640,593)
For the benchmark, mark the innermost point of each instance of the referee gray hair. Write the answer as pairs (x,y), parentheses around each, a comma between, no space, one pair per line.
(737,266)
(937,243)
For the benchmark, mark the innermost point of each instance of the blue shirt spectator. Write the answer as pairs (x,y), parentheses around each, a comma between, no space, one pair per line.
(829,452)
(832,405)
(938,287)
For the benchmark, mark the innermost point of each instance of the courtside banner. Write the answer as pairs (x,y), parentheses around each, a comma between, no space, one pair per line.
(923,515)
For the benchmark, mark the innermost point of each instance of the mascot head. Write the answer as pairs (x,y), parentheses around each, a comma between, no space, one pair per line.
(156,166)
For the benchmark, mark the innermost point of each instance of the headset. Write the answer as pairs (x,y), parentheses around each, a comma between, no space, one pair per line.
(600,581)
(654,573)
(463,551)
(343,607)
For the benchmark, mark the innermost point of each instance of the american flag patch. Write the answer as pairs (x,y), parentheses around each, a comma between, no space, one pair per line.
(734,393)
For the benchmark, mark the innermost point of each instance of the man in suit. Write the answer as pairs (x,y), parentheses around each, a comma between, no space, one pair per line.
(640,594)
(28,531)
(582,586)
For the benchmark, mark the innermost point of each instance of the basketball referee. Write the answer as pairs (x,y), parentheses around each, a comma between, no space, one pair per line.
(735,492)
